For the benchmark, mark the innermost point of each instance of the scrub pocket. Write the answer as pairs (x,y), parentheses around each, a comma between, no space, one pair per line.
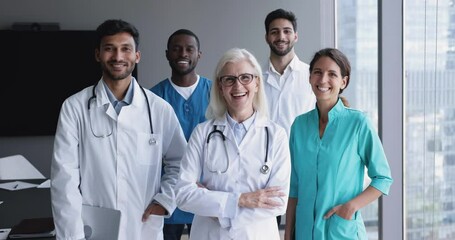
(149,148)
(341,229)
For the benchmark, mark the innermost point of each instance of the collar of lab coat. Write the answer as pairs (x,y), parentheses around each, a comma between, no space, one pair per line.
(293,66)
(223,125)
(102,98)
(101,95)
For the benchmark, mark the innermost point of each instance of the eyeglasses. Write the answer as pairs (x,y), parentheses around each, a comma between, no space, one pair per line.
(244,79)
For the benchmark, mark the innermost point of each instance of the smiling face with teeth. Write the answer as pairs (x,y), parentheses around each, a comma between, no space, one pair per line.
(281,37)
(327,81)
(183,54)
(118,56)
(238,97)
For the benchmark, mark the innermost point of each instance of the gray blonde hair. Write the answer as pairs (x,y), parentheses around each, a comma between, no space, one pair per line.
(217,106)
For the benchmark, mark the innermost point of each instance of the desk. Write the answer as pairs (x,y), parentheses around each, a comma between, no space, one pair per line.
(25,203)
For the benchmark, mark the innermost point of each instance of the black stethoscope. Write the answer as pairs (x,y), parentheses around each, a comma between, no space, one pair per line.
(264,168)
(93,97)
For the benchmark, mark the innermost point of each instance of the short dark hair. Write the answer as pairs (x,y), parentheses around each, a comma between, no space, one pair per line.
(338,57)
(184,32)
(113,26)
(280,13)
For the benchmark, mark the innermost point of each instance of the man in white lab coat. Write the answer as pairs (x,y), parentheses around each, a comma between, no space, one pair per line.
(110,144)
(287,78)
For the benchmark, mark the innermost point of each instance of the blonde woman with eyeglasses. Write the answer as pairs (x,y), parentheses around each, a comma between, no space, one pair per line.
(235,173)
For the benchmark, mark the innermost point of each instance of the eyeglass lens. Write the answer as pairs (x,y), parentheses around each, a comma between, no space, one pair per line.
(229,80)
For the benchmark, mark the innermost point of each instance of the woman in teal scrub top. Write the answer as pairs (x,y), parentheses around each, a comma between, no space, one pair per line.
(330,148)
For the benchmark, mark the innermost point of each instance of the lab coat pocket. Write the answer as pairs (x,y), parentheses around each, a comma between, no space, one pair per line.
(341,229)
(153,228)
(149,148)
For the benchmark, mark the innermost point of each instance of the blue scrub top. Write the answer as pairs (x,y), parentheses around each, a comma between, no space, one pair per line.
(329,171)
(190,112)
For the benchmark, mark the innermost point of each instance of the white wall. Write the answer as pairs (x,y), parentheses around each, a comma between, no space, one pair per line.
(220,25)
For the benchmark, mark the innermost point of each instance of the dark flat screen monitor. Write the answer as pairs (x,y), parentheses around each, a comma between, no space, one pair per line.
(40,70)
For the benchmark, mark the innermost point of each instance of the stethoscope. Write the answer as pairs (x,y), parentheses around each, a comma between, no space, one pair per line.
(264,168)
(93,97)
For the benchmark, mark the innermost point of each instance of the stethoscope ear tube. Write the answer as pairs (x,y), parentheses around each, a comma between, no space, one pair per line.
(152,140)
(264,168)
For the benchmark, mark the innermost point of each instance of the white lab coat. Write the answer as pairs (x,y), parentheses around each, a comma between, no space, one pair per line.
(217,214)
(294,98)
(122,171)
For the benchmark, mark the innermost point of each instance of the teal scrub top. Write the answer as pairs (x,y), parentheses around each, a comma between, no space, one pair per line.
(329,171)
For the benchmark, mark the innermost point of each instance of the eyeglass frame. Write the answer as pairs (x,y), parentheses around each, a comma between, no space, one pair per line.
(236,78)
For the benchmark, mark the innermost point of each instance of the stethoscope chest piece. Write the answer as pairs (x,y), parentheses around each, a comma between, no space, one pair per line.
(265,169)
(152,141)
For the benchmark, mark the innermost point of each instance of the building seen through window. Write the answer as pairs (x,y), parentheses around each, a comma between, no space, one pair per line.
(429,117)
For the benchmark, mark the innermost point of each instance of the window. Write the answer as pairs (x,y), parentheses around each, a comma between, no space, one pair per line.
(429,119)
(357,29)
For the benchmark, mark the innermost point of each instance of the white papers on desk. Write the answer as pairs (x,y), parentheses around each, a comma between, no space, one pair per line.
(17,167)
(4,233)
(17,185)
(45,184)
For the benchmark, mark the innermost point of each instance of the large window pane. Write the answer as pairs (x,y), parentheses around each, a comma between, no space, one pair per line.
(357,28)
(430,119)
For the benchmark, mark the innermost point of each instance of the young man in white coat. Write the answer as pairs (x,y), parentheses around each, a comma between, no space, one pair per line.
(286,78)
(111,142)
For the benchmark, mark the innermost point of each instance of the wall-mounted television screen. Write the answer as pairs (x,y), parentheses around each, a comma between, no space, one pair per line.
(40,69)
